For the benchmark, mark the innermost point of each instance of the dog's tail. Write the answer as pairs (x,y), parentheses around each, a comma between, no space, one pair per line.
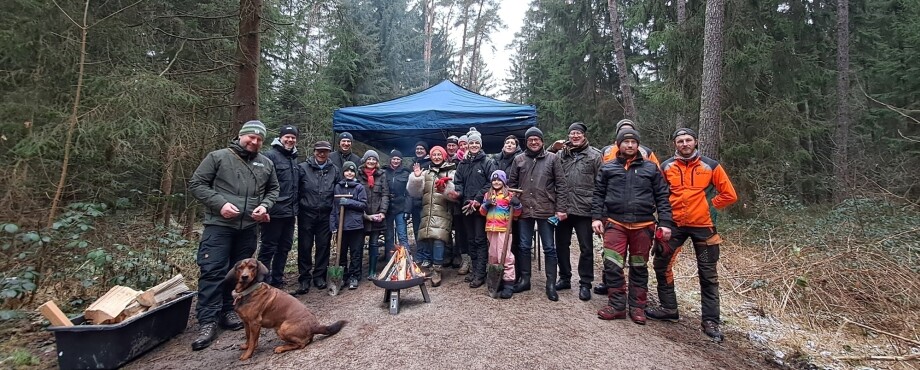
(330,329)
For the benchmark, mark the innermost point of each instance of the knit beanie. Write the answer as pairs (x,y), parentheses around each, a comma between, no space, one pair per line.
(346,135)
(422,144)
(286,130)
(533,131)
(437,148)
(684,131)
(393,153)
(580,126)
(463,139)
(453,139)
(500,175)
(627,122)
(474,136)
(349,166)
(253,127)
(368,154)
(627,133)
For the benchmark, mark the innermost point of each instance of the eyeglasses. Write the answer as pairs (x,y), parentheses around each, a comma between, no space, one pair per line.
(576,133)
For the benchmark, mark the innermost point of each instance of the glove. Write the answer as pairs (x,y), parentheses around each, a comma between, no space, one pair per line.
(441,184)
(515,202)
(487,202)
(345,202)
(660,247)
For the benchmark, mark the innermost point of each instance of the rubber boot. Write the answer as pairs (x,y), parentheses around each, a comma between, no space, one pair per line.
(524,284)
(436,275)
(551,271)
(465,265)
(372,269)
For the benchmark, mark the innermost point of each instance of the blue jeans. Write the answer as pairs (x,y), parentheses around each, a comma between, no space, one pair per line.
(431,250)
(547,231)
(396,226)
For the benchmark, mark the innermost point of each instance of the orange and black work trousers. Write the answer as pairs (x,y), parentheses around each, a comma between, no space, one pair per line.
(621,246)
(706,246)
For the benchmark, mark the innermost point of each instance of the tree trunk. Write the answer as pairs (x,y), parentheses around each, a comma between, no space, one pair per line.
(246,92)
(681,120)
(629,106)
(710,106)
(681,13)
(429,24)
(474,59)
(466,21)
(842,134)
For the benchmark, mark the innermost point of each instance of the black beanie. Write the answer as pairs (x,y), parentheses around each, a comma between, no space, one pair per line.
(684,131)
(422,144)
(288,130)
(346,135)
(533,131)
(395,153)
(453,139)
(627,133)
(580,126)
(624,122)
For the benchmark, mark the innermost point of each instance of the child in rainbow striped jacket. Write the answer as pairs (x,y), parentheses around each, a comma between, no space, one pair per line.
(501,208)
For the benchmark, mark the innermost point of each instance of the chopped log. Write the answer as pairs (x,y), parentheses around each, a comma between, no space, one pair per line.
(163,292)
(51,312)
(108,307)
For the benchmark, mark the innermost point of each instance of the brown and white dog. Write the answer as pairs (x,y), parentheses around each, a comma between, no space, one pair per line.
(261,305)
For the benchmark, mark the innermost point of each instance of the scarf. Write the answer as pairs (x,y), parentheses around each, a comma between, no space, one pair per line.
(691,158)
(570,150)
(532,154)
(369,172)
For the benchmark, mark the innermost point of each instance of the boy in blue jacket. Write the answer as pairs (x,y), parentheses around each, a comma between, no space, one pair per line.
(350,250)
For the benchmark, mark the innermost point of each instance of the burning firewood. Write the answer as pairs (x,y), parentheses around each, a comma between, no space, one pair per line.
(400,267)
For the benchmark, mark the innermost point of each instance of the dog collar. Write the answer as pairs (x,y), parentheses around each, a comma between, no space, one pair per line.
(247,291)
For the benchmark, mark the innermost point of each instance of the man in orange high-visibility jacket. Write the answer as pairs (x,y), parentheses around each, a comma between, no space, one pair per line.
(609,152)
(690,175)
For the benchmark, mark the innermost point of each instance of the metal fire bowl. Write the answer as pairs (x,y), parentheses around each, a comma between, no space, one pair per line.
(399,284)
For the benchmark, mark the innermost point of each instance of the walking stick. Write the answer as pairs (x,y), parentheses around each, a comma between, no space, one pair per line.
(334,273)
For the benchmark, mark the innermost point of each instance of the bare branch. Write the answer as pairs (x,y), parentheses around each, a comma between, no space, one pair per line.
(908,138)
(890,107)
(195,38)
(66,15)
(182,46)
(116,12)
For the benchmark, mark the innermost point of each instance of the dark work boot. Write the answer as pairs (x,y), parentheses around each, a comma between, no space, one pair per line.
(230,320)
(524,284)
(551,271)
(206,334)
(507,290)
(600,289)
(662,314)
(711,329)
(563,284)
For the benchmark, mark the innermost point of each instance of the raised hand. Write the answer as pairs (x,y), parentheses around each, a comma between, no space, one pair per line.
(417,169)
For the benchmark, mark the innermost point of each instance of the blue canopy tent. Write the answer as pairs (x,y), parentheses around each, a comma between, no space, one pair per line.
(432,115)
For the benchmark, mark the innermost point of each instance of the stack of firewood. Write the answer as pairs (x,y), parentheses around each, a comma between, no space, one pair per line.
(120,303)
(400,267)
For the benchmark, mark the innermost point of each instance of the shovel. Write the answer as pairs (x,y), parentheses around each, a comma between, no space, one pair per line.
(335,272)
(495,270)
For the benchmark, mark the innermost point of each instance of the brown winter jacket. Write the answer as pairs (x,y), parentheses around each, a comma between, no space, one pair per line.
(436,216)
(543,181)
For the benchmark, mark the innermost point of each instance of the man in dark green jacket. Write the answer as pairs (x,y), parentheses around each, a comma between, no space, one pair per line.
(237,187)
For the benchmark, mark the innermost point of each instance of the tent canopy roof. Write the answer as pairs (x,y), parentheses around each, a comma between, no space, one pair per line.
(432,115)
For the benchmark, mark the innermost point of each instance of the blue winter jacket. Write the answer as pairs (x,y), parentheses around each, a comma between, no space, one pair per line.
(354,206)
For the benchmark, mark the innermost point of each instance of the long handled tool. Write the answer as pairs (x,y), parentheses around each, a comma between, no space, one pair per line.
(335,271)
(495,271)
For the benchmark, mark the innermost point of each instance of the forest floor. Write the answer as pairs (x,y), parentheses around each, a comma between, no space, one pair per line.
(465,328)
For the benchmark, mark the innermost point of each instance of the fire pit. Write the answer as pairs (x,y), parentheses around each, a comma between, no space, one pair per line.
(400,273)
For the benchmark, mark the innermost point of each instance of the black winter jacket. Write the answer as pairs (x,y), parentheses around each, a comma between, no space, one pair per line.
(472,178)
(288,179)
(631,194)
(505,161)
(354,206)
(338,158)
(399,197)
(316,185)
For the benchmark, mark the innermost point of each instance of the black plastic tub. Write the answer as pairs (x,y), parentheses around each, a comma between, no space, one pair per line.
(110,346)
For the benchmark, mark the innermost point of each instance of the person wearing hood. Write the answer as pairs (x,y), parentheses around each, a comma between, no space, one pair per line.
(580,162)
(434,186)
(375,184)
(423,160)
(463,144)
(472,182)
(538,173)
(350,251)
(278,233)
(237,186)
(343,153)
(318,177)
(400,204)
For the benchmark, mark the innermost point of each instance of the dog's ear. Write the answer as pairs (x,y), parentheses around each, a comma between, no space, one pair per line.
(263,272)
(230,279)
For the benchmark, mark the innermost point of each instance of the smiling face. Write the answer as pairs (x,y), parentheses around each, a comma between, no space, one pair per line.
(452,148)
(577,137)
(685,144)
(437,157)
(321,155)
(345,144)
(420,151)
(395,162)
(349,174)
(510,146)
(475,147)
(370,162)
(497,184)
(289,141)
(251,142)
(464,145)
(534,143)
